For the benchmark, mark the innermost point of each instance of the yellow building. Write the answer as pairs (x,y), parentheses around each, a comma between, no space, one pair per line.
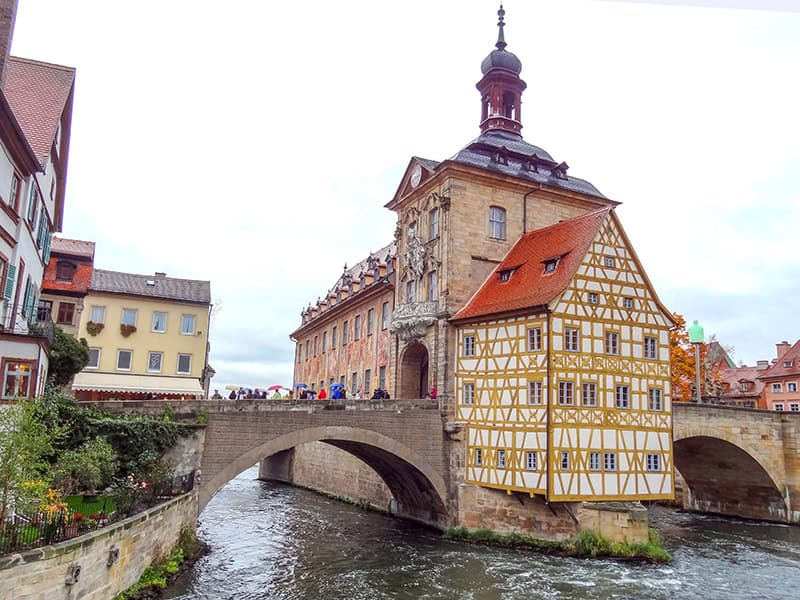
(563,369)
(148,337)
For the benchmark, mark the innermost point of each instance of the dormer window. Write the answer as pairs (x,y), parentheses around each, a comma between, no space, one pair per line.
(506,274)
(787,364)
(609,262)
(550,265)
(65,271)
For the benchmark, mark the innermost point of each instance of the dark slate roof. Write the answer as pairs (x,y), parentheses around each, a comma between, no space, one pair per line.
(166,288)
(431,164)
(507,153)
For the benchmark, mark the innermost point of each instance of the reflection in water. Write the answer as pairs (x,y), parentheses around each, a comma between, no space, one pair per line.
(271,541)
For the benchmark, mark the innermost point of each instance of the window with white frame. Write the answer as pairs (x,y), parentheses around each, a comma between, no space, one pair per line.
(17,380)
(530,461)
(354,382)
(627,302)
(622,397)
(534,392)
(609,262)
(589,394)
(98,314)
(564,461)
(534,339)
(654,399)
(124,360)
(501,459)
(612,342)
(129,316)
(497,223)
(433,292)
(94,358)
(316,344)
(381,377)
(791,387)
(357,328)
(433,220)
(653,462)
(478,457)
(345,329)
(333,337)
(571,339)
(650,347)
(385,315)
(565,392)
(777,388)
(187,324)
(592,298)
(411,291)
(778,406)
(154,360)
(469,345)
(370,321)
(794,407)
(610,461)
(368,381)
(594,461)
(469,393)
(159,322)
(550,265)
(324,341)
(184,364)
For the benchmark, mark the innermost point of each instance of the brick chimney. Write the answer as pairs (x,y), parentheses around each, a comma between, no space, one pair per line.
(8,14)
(782,348)
(762,365)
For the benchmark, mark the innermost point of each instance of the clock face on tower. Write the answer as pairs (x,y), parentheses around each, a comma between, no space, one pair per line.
(416,176)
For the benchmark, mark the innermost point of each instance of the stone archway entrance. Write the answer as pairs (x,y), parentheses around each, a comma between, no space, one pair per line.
(414,372)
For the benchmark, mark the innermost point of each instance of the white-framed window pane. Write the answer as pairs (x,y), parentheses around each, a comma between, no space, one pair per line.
(98,314)
(154,360)
(571,339)
(385,315)
(357,328)
(534,392)
(530,461)
(433,292)
(612,342)
(159,322)
(794,407)
(594,461)
(589,394)
(622,396)
(501,459)
(791,387)
(497,223)
(370,321)
(653,462)
(129,316)
(469,393)
(94,358)
(187,324)
(779,406)
(534,339)
(650,346)
(654,398)
(124,360)
(592,298)
(469,345)
(627,302)
(776,388)
(434,220)
(478,457)
(184,363)
(411,291)
(565,461)
(565,392)
(610,461)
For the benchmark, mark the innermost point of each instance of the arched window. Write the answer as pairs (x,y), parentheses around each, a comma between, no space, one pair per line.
(509,106)
(497,223)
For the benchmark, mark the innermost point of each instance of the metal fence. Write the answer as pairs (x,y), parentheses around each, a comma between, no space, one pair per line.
(25,530)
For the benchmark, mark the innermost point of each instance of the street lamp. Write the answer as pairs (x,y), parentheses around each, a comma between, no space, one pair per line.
(696,338)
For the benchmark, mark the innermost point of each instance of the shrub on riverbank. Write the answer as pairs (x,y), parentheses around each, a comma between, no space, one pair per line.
(585,543)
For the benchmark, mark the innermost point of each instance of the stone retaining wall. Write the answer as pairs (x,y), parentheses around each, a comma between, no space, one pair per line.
(44,572)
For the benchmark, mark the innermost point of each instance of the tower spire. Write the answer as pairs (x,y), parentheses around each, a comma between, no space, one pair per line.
(501,40)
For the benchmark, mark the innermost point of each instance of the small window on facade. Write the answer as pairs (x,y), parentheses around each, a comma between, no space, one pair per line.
(589,394)
(610,461)
(565,461)
(65,271)
(154,360)
(776,388)
(594,461)
(791,387)
(368,381)
(45,310)
(17,380)
(316,345)
(385,315)
(654,399)
(307,353)
(434,222)
(129,316)
(66,312)
(505,275)
(469,345)
(370,321)
(381,377)
(124,360)
(744,386)
(16,184)
(354,382)
(94,358)
(324,341)
(534,392)
(497,223)
(98,314)
(627,302)
(334,333)
(433,292)
(778,406)
(159,322)
(592,298)
(357,328)
(550,265)
(344,333)
(653,462)
(794,407)
(650,346)
(478,457)
(609,261)
(612,342)
(530,461)
(411,291)
(565,392)
(622,399)
(501,459)
(184,364)
(571,339)
(469,393)
(187,324)
(535,339)
(787,364)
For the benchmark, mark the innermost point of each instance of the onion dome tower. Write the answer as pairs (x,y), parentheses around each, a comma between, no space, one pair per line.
(501,87)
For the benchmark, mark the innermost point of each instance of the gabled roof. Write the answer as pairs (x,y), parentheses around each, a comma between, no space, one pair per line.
(37,93)
(778,369)
(165,288)
(736,375)
(70,247)
(529,286)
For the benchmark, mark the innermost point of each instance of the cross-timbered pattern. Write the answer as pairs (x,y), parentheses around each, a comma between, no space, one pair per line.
(566,392)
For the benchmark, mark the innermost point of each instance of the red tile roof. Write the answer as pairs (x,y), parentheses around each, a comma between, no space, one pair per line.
(37,93)
(778,369)
(529,286)
(732,377)
(73,247)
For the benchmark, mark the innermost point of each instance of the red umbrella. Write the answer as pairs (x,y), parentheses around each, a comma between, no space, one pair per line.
(272,388)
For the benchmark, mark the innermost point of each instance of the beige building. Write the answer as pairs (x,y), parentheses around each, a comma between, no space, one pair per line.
(148,337)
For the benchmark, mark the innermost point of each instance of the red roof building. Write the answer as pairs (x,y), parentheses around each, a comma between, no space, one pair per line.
(782,378)
(66,283)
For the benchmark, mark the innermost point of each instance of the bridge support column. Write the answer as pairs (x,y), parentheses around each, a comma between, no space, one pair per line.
(278,467)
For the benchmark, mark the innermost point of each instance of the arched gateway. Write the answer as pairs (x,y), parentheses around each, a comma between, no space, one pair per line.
(414,372)
(421,492)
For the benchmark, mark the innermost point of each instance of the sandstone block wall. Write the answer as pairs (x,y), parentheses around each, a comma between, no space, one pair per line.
(41,573)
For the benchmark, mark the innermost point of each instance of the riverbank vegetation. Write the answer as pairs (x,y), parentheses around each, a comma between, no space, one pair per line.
(584,544)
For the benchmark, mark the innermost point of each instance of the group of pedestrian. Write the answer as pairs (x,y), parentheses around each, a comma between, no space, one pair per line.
(253,394)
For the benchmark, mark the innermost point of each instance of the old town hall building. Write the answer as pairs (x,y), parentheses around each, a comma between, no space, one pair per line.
(512,289)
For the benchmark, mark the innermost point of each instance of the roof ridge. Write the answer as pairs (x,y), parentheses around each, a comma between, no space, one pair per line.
(33,61)
(567,221)
(151,275)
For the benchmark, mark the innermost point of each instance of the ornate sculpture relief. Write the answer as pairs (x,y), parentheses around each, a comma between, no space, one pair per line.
(409,321)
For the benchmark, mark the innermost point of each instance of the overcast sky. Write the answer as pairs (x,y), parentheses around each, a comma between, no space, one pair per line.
(255,143)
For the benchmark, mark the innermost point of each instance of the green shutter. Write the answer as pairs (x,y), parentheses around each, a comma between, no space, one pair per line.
(34,318)
(9,287)
(26,303)
(48,242)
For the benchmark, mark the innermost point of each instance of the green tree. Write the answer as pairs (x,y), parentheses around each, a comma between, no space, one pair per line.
(25,443)
(68,355)
(87,469)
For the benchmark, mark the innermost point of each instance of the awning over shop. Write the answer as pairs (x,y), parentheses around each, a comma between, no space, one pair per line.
(119,382)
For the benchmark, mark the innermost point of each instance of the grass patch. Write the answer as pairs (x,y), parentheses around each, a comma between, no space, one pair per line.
(101,504)
(585,543)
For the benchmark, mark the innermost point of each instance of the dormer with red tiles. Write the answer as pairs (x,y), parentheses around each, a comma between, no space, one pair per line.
(66,283)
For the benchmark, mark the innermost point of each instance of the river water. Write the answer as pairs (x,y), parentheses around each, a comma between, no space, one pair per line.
(275,541)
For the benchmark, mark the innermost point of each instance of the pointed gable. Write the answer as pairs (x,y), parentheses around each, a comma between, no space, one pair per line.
(520,281)
(787,365)
(417,172)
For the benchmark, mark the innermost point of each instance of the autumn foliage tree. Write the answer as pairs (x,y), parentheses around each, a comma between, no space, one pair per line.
(682,363)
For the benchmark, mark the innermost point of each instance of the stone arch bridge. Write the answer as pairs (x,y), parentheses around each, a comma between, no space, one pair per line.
(738,462)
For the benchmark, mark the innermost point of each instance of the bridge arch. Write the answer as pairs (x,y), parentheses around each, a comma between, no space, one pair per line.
(725,478)
(421,491)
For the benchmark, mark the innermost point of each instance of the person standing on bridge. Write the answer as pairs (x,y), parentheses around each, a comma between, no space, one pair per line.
(322,395)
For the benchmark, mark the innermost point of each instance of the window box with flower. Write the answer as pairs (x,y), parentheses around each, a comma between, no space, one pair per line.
(93,328)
